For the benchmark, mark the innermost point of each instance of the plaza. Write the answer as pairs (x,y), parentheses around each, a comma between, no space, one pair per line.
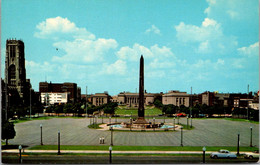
(75,131)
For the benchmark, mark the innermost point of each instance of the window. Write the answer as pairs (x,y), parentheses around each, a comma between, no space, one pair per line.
(183,101)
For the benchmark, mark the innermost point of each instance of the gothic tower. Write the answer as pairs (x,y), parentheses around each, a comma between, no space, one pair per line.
(15,74)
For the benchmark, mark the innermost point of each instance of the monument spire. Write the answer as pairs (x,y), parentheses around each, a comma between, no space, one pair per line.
(141,89)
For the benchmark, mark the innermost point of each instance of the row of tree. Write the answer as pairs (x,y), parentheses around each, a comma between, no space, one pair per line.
(200,110)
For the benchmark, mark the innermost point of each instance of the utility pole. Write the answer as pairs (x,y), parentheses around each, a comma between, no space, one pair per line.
(247,100)
(86,101)
(30,102)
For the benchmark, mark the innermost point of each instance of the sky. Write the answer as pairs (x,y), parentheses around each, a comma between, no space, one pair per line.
(209,45)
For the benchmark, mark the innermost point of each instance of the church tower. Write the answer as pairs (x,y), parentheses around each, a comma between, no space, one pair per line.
(15,74)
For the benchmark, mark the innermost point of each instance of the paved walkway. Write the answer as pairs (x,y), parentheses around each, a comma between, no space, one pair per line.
(207,132)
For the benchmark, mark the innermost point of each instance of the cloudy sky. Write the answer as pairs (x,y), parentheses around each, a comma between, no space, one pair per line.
(209,45)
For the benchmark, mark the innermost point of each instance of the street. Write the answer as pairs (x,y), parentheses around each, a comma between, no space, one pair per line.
(104,159)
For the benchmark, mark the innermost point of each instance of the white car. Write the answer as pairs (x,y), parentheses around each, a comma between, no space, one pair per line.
(252,155)
(222,154)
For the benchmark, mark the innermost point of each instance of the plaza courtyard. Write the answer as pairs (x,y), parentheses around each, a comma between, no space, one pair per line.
(75,131)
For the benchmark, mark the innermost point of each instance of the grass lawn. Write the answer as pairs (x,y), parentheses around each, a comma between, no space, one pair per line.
(152,111)
(141,148)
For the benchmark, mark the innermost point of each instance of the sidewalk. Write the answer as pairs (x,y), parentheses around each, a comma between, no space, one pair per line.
(116,152)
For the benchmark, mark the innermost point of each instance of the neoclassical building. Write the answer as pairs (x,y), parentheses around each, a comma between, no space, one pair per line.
(100,99)
(132,99)
(176,98)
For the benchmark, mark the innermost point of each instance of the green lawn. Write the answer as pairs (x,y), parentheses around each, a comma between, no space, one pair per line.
(148,111)
(141,148)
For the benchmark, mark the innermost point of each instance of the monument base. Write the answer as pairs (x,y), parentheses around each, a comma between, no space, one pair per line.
(140,120)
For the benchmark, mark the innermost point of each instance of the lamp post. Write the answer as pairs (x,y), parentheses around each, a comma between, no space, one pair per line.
(163,117)
(130,124)
(238,142)
(110,154)
(58,142)
(109,119)
(251,130)
(41,133)
(96,119)
(174,124)
(191,121)
(20,154)
(111,129)
(102,119)
(154,124)
(182,136)
(204,150)
(187,122)
(30,102)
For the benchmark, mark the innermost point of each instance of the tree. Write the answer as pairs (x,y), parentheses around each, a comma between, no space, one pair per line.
(157,103)
(8,131)
(67,108)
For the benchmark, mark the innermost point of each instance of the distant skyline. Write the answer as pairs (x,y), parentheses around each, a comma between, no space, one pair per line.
(209,45)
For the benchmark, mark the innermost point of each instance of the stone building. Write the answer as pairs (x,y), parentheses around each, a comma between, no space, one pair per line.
(100,99)
(71,88)
(15,73)
(176,98)
(207,98)
(132,99)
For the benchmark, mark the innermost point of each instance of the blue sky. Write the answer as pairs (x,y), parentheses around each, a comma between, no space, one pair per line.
(208,45)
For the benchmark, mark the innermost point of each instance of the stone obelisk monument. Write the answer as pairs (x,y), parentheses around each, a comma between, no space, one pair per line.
(141,119)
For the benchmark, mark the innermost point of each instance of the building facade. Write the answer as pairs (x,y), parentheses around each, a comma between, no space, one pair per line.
(132,99)
(51,98)
(15,73)
(71,88)
(176,98)
(100,99)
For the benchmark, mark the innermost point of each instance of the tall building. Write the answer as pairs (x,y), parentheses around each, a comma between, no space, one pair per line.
(70,88)
(15,73)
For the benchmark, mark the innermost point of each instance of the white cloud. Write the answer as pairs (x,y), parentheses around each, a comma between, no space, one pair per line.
(209,37)
(153,29)
(84,51)
(134,53)
(232,9)
(250,51)
(209,30)
(52,27)
(119,67)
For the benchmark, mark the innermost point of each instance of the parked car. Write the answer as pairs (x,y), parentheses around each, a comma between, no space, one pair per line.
(222,154)
(181,114)
(252,155)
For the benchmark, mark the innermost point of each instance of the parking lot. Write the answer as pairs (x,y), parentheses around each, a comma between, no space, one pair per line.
(207,132)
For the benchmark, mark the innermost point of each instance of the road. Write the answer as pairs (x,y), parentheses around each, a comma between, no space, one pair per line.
(86,159)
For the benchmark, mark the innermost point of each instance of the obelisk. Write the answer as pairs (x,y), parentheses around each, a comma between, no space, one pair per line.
(141,119)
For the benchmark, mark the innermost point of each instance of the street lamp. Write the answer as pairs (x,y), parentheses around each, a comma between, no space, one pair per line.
(154,124)
(174,124)
(251,130)
(130,124)
(20,154)
(41,133)
(238,143)
(110,154)
(204,150)
(58,142)
(191,121)
(187,122)
(182,136)
(30,102)
(163,117)
(111,129)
